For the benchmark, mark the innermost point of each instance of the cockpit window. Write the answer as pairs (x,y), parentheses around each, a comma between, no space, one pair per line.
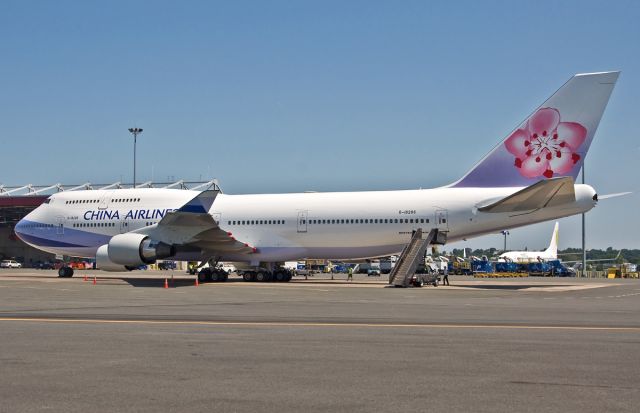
(46,201)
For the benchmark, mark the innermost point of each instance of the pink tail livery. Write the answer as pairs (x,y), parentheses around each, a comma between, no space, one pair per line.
(553,141)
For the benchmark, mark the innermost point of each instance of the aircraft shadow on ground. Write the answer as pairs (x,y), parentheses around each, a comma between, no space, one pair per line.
(509,287)
(175,283)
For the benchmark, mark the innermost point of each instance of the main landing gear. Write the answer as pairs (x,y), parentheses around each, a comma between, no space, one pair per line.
(212,274)
(65,272)
(209,274)
(260,275)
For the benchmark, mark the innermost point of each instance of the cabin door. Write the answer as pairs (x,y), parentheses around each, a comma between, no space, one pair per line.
(302,221)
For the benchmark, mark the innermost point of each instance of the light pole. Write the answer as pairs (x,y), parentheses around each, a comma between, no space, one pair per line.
(584,239)
(505,233)
(135,132)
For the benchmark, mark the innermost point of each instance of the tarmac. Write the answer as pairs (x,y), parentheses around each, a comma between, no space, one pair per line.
(491,345)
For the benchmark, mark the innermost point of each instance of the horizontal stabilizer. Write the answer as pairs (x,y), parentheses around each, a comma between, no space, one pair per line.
(546,193)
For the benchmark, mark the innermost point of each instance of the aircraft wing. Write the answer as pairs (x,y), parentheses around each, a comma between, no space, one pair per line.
(545,193)
(192,225)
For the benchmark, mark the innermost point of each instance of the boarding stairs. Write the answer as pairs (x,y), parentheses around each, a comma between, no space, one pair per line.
(411,256)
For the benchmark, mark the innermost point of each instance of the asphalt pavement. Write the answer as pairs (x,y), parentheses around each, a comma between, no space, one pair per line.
(128,344)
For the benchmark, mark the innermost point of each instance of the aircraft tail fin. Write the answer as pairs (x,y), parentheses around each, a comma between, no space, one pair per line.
(553,141)
(553,245)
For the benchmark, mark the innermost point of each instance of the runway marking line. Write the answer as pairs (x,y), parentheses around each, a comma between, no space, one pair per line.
(319,324)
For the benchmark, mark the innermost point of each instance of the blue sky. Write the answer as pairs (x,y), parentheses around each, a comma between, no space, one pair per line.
(311,95)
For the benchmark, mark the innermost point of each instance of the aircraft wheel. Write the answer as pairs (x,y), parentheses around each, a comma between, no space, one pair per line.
(224,277)
(279,276)
(261,277)
(287,277)
(201,276)
(65,272)
(249,276)
(215,277)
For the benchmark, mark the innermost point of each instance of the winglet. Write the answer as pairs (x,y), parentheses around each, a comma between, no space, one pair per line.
(201,204)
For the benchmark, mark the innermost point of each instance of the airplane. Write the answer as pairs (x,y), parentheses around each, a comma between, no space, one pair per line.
(551,253)
(528,177)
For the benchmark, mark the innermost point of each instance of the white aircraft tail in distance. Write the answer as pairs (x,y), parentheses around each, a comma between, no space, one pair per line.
(528,177)
(550,254)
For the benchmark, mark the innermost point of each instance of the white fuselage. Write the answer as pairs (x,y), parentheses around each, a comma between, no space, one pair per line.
(283,227)
(528,256)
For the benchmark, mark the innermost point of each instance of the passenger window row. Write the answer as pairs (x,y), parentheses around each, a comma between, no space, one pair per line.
(126,200)
(257,222)
(39,226)
(95,201)
(93,224)
(336,221)
(365,221)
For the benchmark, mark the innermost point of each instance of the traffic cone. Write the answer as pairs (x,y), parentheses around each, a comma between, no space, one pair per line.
(85,278)
(166,283)
(197,282)
(94,280)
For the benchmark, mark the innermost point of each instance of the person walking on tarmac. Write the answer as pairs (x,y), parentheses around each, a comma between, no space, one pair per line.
(445,276)
(350,274)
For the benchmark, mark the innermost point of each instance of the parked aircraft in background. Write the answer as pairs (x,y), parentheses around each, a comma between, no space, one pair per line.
(527,178)
(551,253)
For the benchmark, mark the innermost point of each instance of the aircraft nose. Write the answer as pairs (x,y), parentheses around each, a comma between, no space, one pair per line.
(19,229)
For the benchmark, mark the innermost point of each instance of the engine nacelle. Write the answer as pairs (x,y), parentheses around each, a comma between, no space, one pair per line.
(104,263)
(133,250)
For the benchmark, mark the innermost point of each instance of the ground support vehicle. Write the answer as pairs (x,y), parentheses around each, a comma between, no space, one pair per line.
(167,265)
(420,279)
(460,268)
(10,264)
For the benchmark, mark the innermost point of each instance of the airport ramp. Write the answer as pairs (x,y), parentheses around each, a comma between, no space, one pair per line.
(412,254)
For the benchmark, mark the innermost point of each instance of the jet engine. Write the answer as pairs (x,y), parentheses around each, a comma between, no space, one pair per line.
(133,250)
(104,263)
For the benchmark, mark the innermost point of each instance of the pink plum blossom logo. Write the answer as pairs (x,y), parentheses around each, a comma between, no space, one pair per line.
(545,146)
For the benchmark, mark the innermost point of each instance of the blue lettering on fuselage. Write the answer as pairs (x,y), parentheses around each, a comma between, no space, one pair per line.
(132,214)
